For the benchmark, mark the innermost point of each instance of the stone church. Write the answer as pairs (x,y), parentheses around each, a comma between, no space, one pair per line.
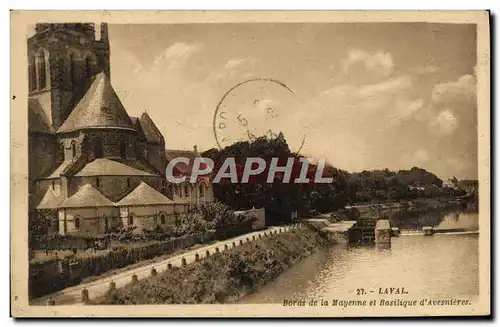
(92,167)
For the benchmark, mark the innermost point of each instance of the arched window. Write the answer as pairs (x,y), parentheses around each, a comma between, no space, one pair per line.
(32,73)
(130,220)
(129,183)
(123,149)
(60,153)
(42,77)
(163,218)
(77,222)
(202,190)
(53,184)
(73,149)
(98,182)
(97,147)
(186,190)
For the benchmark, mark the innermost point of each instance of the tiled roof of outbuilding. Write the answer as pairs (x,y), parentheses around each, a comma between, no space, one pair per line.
(181,168)
(184,169)
(87,196)
(144,194)
(49,201)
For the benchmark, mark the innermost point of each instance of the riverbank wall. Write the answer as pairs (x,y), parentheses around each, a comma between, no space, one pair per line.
(382,210)
(223,277)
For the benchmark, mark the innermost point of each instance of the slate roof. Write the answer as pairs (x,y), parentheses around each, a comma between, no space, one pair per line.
(182,167)
(87,196)
(149,129)
(37,118)
(59,170)
(144,194)
(50,200)
(109,167)
(100,107)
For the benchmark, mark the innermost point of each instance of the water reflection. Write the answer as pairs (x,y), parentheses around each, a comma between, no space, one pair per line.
(446,218)
(466,221)
(439,266)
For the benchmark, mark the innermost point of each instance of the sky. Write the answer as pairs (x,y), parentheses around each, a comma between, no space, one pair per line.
(362,96)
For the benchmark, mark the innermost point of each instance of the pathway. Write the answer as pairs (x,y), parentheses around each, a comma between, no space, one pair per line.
(73,295)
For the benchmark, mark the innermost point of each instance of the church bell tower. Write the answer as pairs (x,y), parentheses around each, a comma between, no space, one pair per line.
(62,59)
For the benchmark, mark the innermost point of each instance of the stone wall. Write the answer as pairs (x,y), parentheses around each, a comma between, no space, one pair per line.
(155,155)
(383,231)
(41,154)
(111,140)
(149,217)
(93,221)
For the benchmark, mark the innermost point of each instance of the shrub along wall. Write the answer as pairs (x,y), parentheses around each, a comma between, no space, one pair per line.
(223,277)
(67,242)
(80,243)
(50,276)
(233,230)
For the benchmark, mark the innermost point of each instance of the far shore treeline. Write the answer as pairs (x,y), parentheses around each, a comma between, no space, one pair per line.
(280,199)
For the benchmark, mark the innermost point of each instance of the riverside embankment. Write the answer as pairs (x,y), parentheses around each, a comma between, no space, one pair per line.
(388,209)
(223,277)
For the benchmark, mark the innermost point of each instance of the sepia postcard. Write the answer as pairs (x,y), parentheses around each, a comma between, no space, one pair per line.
(250,164)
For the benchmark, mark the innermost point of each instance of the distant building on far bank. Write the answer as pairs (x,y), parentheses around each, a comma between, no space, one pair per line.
(92,167)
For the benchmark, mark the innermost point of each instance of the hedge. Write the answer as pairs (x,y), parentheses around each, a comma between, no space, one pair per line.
(50,276)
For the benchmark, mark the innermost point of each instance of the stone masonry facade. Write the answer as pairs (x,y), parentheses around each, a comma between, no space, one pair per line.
(86,154)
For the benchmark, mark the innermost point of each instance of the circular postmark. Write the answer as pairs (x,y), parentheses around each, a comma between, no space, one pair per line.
(259,107)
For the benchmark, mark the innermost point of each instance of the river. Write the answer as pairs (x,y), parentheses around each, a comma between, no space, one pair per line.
(442,265)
